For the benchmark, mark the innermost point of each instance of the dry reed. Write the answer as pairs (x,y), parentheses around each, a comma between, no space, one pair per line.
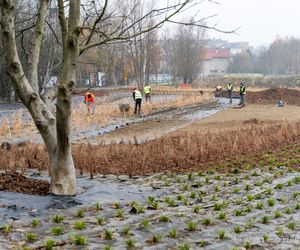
(181,153)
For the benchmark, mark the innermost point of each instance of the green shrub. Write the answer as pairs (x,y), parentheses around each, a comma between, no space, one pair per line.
(31,237)
(6,229)
(163,218)
(80,213)
(79,240)
(57,218)
(172,233)
(79,225)
(108,235)
(49,244)
(57,230)
(35,223)
(191,226)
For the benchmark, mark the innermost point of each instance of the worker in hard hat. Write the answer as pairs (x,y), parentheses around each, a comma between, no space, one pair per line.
(137,96)
(147,91)
(89,100)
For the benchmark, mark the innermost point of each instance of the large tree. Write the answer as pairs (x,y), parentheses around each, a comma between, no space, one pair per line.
(84,24)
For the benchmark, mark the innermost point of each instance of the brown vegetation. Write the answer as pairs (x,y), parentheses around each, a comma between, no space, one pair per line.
(179,153)
(16,182)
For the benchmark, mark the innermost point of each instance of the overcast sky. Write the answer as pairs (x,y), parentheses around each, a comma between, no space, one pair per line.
(261,21)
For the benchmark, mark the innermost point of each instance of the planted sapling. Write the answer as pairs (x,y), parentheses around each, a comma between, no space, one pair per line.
(292,226)
(100,221)
(57,218)
(237,229)
(108,235)
(49,244)
(196,209)
(57,230)
(79,225)
(191,226)
(172,233)
(130,243)
(145,223)
(80,213)
(163,218)
(35,223)
(31,237)
(79,240)
(206,221)
(221,234)
(277,214)
(222,215)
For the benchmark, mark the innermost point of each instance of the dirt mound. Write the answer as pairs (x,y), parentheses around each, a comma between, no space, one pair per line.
(272,96)
(15,182)
(269,96)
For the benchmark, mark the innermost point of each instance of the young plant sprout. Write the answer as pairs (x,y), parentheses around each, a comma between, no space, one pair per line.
(172,233)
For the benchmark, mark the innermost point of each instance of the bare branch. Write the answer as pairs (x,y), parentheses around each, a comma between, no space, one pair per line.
(53,32)
(96,22)
(122,36)
(62,20)
(36,49)
(197,24)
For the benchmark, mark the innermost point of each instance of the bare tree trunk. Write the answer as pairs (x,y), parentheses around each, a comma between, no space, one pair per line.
(63,174)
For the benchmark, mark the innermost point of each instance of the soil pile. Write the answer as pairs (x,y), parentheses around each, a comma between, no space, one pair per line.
(272,96)
(16,182)
(269,96)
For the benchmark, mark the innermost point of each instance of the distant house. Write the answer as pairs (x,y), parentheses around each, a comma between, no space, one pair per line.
(238,47)
(215,61)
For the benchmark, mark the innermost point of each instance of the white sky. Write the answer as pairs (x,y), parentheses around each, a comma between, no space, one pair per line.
(261,21)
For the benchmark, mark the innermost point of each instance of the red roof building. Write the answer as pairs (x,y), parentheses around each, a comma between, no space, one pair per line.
(215,61)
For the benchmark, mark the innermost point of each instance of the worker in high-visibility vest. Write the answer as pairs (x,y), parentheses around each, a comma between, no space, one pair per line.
(147,91)
(229,91)
(137,96)
(89,100)
(242,94)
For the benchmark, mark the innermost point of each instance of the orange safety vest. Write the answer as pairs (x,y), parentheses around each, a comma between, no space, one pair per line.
(89,97)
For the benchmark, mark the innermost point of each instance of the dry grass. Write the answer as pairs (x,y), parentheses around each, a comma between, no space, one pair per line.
(180,153)
(14,125)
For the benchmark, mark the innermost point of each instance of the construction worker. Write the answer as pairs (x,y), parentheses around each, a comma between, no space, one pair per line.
(137,97)
(229,88)
(242,94)
(147,91)
(89,100)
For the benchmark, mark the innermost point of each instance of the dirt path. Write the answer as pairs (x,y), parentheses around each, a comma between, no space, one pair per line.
(233,119)
(153,126)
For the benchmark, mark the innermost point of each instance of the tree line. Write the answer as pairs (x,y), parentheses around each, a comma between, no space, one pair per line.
(281,57)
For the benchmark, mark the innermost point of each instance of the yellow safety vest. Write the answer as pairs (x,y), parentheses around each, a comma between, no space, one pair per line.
(147,89)
(229,87)
(138,95)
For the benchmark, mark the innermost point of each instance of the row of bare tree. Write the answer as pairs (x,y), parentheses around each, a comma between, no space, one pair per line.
(175,51)
(281,57)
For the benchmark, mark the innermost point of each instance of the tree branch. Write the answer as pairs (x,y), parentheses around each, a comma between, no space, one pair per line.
(120,36)
(96,22)
(36,49)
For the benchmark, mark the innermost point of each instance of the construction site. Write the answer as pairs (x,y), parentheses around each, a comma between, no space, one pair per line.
(190,170)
